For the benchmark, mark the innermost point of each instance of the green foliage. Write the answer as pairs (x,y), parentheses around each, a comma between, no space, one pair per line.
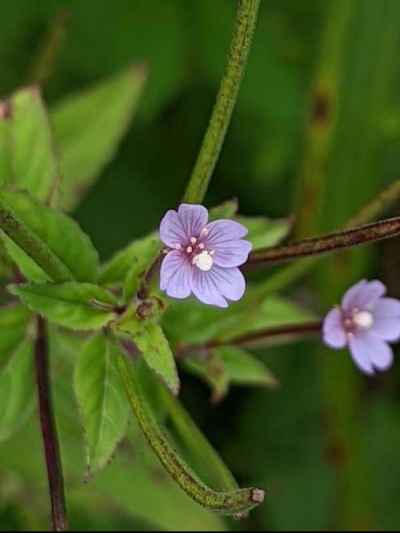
(193,323)
(150,339)
(319,74)
(77,306)
(34,163)
(264,232)
(59,233)
(229,365)
(226,210)
(88,128)
(101,400)
(16,390)
(13,324)
(130,258)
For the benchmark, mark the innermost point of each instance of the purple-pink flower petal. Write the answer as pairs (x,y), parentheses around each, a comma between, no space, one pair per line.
(222,231)
(366,321)
(203,258)
(363,294)
(360,353)
(176,275)
(193,218)
(378,353)
(172,232)
(231,253)
(333,331)
(204,287)
(387,319)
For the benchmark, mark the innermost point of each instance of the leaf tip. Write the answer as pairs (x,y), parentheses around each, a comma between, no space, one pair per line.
(175,387)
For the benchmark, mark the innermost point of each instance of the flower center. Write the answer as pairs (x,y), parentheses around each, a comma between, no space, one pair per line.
(203,261)
(363,319)
(197,251)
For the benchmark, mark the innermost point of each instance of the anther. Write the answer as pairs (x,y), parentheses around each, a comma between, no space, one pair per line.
(189,249)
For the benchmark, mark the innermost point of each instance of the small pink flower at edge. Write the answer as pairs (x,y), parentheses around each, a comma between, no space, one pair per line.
(202,258)
(366,322)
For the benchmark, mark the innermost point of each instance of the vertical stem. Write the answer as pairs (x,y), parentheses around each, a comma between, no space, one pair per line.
(49,430)
(246,19)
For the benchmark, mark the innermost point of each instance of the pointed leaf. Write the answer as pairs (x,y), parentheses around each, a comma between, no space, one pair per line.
(79,306)
(60,234)
(242,368)
(34,162)
(229,365)
(16,391)
(88,129)
(101,399)
(151,341)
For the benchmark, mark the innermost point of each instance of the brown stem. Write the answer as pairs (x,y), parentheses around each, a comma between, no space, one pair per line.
(287,330)
(384,229)
(49,430)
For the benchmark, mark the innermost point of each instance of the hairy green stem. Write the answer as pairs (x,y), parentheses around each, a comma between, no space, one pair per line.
(233,502)
(384,229)
(246,19)
(32,245)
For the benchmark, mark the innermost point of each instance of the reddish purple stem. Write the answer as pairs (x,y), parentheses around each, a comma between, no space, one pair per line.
(49,430)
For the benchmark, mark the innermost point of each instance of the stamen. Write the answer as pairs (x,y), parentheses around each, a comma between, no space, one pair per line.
(193,240)
(189,249)
(201,246)
(204,231)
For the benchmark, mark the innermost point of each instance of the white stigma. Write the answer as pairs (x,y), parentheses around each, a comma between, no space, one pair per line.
(203,261)
(363,319)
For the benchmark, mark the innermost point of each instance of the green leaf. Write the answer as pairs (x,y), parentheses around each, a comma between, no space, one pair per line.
(79,306)
(150,339)
(139,252)
(6,171)
(211,370)
(229,365)
(193,323)
(16,390)
(101,399)
(13,323)
(89,127)
(242,368)
(264,232)
(62,236)
(226,210)
(34,162)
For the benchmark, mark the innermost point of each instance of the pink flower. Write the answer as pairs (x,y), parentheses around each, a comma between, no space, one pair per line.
(365,322)
(202,258)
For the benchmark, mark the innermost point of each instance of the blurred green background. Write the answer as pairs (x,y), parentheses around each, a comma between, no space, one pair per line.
(316,133)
